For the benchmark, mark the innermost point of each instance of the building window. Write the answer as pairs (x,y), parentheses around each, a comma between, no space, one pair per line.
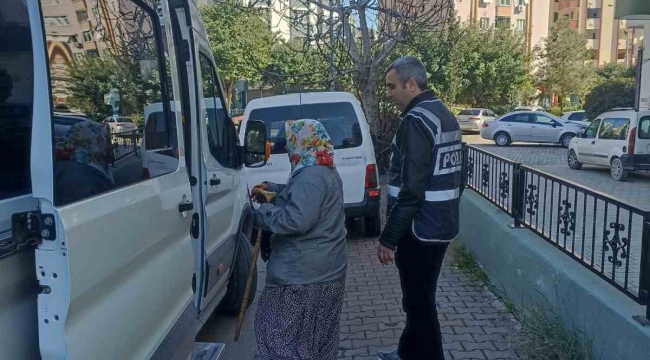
(96,12)
(504,3)
(502,22)
(622,54)
(522,3)
(82,15)
(593,13)
(88,36)
(56,20)
(92,54)
(521,25)
(484,23)
(556,16)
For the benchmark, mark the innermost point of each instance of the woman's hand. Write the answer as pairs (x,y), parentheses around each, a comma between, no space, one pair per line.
(257,190)
(385,255)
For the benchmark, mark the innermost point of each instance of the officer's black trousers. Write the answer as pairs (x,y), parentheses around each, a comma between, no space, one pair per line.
(419,265)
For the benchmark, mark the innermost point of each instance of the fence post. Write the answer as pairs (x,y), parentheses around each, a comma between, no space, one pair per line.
(463,167)
(518,183)
(644,277)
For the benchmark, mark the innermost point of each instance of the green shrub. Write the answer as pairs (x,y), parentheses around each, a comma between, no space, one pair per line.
(610,94)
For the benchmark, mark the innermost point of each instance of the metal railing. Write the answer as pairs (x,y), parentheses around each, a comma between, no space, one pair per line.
(125,143)
(604,234)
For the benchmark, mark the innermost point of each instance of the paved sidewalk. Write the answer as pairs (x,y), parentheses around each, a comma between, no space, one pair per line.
(475,324)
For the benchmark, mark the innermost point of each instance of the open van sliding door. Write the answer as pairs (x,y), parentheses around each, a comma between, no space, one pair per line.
(116,259)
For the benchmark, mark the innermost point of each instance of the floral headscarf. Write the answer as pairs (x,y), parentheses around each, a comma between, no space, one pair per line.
(308,144)
(86,142)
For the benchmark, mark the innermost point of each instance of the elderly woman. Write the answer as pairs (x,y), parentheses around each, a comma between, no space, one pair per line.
(299,310)
(81,168)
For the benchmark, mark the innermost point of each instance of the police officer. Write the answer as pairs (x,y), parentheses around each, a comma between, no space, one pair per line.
(424,192)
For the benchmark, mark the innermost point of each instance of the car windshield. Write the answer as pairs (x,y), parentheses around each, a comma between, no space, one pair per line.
(125,120)
(469,112)
(339,119)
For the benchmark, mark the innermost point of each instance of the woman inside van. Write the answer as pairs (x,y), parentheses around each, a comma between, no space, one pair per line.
(81,168)
(299,310)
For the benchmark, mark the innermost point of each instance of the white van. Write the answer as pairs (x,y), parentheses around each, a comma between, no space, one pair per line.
(619,140)
(354,155)
(99,258)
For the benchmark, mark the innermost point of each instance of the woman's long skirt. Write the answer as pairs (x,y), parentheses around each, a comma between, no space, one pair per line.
(300,321)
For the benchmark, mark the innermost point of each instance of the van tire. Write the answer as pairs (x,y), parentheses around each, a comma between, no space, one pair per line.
(572,160)
(616,170)
(372,226)
(231,303)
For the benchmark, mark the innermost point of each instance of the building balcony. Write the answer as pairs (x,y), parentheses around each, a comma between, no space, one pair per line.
(593,24)
(592,44)
(569,4)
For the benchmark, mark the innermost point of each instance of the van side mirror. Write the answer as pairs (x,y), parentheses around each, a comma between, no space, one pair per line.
(257,149)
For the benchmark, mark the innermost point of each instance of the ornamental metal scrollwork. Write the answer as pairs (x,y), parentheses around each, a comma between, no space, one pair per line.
(532,199)
(485,175)
(567,218)
(470,167)
(504,185)
(616,244)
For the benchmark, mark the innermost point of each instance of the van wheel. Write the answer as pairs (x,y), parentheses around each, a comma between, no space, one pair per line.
(566,140)
(616,170)
(573,161)
(237,283)
(502,139)
(372,226)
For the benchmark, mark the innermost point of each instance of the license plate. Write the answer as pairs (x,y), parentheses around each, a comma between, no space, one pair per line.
(462,120)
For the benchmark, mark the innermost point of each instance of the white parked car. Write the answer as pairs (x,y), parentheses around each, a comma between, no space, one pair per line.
(619,140)
(578,116)
(97,259)
(529,108)
(472,119)
(529,126)
(354,155)
(120,124)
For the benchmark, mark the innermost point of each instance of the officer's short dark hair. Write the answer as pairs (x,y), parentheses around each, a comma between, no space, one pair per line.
(408,67)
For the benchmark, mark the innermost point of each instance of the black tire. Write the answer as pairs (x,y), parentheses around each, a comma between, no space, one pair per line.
(237,283)
(372,226)
(349,223)
(616,170)
(502,139)
(572,160)
(565,140)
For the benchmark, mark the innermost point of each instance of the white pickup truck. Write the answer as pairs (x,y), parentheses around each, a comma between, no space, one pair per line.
(99,257)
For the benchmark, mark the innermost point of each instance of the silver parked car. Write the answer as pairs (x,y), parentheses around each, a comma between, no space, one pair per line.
(530,126)
(473,119)
(120,124)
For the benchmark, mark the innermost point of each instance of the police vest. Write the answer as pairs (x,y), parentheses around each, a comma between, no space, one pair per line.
(438,220)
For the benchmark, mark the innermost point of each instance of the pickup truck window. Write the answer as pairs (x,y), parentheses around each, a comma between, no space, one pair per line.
(16,93)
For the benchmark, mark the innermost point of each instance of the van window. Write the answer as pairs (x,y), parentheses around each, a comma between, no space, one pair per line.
(16,93)
(644,128)
(577,116)
(470,112)
(339,119)
(123,72)
(222,135)
(614,129)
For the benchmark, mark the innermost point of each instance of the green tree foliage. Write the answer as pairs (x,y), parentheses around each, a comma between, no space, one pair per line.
(89,81)
(615,71)
(241,42)
(617,92)
(469,65)
(295,66)
(564,64)
(5,85)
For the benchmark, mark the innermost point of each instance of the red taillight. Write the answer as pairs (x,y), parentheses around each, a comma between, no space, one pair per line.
(631,141)
(373,193)
(145,174)
(485,124)
(371,177)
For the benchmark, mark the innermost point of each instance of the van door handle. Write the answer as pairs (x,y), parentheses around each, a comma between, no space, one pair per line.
(215,182)
(185,207)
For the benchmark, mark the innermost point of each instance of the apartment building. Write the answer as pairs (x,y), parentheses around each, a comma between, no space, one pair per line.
(612,40)
(531,17)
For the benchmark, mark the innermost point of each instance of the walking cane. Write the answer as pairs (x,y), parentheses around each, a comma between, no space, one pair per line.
(249,284)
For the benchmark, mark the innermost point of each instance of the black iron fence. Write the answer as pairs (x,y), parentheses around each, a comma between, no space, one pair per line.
(609,237)
(125,143)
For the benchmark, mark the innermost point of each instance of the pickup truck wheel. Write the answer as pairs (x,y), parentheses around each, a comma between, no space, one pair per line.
(237,283)
(372,226)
